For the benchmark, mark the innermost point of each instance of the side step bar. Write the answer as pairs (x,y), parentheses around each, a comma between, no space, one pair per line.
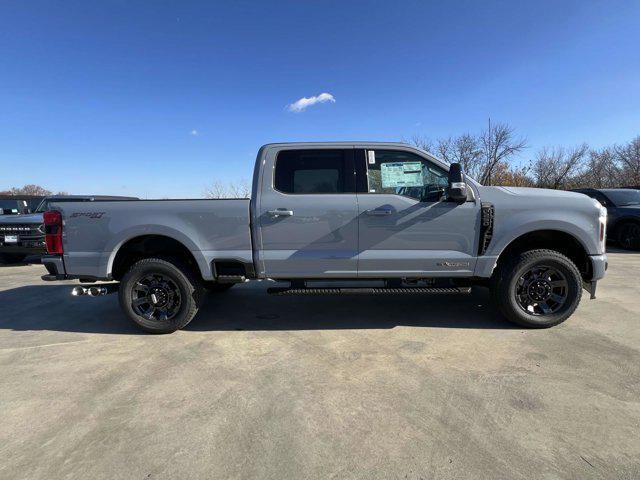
(231,278)
(369,291)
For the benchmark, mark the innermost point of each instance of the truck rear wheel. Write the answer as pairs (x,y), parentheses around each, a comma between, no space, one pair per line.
(160,295)
(537,289)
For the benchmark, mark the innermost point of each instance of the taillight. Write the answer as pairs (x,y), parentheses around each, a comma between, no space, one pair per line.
(53,231)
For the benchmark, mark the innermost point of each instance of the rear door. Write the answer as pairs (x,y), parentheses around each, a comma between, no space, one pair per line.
(406,229)
(307,214)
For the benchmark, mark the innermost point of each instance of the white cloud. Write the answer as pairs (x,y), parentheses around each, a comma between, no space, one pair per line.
(194,132)
(302,104)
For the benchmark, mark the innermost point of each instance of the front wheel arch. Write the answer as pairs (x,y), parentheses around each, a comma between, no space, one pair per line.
(554,240)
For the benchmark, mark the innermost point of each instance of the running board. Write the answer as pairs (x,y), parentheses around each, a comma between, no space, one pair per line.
(231,278)
(370,291)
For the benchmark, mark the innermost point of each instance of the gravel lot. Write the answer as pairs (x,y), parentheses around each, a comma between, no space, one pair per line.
(320,387)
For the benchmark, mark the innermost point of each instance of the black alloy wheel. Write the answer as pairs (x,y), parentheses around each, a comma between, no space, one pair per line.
(155,297)
(537,288)
(541,290)
(161,295)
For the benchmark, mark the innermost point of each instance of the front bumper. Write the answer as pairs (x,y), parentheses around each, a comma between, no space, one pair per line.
(599,265)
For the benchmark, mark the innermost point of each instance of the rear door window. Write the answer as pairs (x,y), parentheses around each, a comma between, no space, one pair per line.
(314,171)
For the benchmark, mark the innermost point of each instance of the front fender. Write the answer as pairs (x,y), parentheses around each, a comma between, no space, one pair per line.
(505,236)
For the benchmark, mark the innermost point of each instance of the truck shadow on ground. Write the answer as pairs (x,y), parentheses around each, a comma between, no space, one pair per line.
(249,307)
(30,260)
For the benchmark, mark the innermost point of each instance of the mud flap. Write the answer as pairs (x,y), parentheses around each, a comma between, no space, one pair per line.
(590,287)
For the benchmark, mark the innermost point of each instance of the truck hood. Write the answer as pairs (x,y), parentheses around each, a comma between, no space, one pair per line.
(36,218)
(540,192)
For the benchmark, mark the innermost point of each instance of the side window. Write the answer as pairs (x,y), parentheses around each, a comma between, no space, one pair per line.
(404,173)
(311,171)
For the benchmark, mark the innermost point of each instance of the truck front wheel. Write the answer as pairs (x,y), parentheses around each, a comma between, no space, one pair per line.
(160,295)
(537,288)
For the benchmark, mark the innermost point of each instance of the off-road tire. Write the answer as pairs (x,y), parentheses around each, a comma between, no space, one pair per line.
(189,285)
(503,287)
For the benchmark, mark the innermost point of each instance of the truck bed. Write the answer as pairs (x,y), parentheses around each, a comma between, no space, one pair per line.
(93,231)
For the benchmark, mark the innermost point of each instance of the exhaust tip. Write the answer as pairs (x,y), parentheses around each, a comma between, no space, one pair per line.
(78,291)
(97,291)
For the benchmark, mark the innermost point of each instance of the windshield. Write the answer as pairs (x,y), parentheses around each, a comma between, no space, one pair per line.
(8,207)
(624,198)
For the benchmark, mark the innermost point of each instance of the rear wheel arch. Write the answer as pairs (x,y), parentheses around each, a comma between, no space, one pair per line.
(149,246)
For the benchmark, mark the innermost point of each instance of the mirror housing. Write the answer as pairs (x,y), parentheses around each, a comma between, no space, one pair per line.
(457,191)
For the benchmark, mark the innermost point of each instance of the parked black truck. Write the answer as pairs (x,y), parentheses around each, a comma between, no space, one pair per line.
(19,204)
(623,214)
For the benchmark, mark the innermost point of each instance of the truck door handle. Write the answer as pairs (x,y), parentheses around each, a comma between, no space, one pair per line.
(280,212)
(379,212)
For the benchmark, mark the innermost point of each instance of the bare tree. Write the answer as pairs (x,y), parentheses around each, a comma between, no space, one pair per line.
(512,175)
(27,190)
(218,189)
(465,150)
(559,167)
(499,145)
(240,189)
(628,157)
(421,142)
(490,157)
(601,171)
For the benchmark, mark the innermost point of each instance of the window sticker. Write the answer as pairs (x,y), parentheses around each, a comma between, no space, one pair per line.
(401,174)
(372,157)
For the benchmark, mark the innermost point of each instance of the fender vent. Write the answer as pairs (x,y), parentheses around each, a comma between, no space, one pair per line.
(487,214)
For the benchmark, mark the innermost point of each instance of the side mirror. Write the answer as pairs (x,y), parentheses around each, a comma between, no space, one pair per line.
(457,191)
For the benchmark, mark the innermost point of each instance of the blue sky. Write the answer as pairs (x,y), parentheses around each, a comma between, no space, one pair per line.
(107,97)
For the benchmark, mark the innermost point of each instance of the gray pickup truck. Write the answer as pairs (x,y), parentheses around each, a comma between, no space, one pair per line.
(391,217)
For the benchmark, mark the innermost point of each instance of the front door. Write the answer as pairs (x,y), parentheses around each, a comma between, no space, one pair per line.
(406,228)
(308,214)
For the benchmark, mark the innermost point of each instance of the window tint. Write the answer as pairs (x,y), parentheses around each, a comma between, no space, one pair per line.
(310,171)
(624,198)
(404,173)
